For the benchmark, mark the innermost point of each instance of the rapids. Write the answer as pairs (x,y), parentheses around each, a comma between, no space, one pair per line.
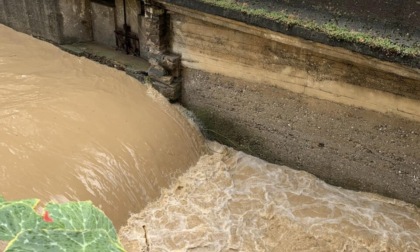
(231,201)
(71,129)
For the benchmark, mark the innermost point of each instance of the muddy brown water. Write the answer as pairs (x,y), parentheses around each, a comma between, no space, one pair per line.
(71,129)
(231,201)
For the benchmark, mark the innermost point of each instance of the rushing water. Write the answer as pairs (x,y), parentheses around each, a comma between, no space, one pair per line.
(73,129)
(231,201)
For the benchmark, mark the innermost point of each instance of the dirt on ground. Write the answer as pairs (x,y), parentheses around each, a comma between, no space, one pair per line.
(346,146)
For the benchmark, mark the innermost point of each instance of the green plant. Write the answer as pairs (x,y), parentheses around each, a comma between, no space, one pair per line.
(73,226)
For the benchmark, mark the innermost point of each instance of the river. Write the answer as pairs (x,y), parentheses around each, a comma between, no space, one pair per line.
(72,129)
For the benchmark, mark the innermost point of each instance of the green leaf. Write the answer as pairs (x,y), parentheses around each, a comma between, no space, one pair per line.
(80,216)
(15,217)
(30,202)
(63,241)
(76,226)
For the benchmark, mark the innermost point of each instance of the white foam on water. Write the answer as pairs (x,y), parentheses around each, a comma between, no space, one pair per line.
(231,201)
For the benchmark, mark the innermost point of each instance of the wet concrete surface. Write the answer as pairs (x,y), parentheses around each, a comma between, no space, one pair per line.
(134,66)
(346,146)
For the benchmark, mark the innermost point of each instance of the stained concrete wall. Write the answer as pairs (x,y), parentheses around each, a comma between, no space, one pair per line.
(133,10)
(300,66)
(40,18)
(351,120)
(103,24)
(62,21)
(77,20)
(384,20)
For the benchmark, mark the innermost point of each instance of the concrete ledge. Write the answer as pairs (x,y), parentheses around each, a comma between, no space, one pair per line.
(350,119)
(133,66)
(219,45)
(412,61)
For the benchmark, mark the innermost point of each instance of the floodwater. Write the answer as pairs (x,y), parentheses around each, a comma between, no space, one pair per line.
(231,201)
(73,129)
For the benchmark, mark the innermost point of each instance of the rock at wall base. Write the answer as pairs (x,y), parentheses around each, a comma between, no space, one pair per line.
(172,91)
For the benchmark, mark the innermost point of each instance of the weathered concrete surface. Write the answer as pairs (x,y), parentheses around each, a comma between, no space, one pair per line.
(392,20)
(164,72)
(331,112)
(133,10)
(296,65)
(63,21)
(132,65)
(345,146)
(77,20)
(40,18)
(103,24)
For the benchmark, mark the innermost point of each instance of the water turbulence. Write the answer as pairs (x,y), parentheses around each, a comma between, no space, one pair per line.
(72,129)
(230,201)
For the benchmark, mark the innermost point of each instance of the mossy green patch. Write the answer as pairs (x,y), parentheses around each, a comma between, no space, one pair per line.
(331,29)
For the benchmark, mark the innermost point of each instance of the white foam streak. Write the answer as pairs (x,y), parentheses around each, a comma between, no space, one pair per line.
(230,200)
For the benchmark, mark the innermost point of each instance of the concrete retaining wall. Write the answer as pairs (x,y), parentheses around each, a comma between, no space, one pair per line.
(103,24)
(77,20)
(226,47)
(391,28)
(62,21)
(40,18)
(348,119)
(133,10)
